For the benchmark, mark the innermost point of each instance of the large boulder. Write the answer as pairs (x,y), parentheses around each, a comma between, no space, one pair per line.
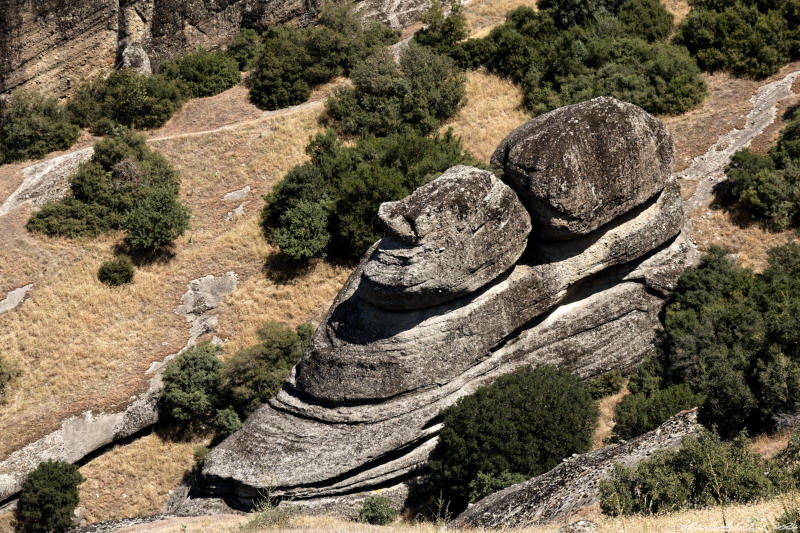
(579,167)
(449,238)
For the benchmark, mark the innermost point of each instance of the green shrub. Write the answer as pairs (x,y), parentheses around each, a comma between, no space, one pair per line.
(443,33)
(789,520)
(156,221)
(347,184)
(485,484)
(422,91)
(639,413)
(294,60)
(525,422)
(32,125)
(748,38)
(572,51)
(117,271)
(192,385)
(226,421)
(377,510)
(126,98)
(49,497)
(607,384)
(254,375)
(7,373)
(704,471)
(204,73)
(71,218)
(244,48)
(199,453)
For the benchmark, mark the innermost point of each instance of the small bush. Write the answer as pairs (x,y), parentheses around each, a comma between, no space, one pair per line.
(704,471)
(226,421)
(199,453)
(192,382)
(244,48)
(204,73)
(485,484)
(49,496)
(32,125)
(117,271)
(156,221)
(7,373)
(346,184)
(789,520)
(607,384)
(422,91)
(254,375)
(377,510)
(639,413)
(525,422)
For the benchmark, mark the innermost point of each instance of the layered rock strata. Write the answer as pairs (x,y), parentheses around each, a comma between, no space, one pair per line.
(359,411)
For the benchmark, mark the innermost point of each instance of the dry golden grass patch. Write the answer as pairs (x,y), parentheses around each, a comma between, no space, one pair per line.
(493,109)
(135,479)
(679,8)
(605,422)
(483,15)
(769,446)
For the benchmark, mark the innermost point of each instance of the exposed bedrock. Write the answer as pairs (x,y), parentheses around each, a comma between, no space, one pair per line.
(579,167)
(573,484)
(439,307)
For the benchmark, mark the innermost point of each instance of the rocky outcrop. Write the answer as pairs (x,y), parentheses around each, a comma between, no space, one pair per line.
(54,45)
(579,167)
(359,411)
(450,238)
(573,484)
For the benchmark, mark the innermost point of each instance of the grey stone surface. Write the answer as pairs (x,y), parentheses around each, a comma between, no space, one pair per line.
(449,238)
(573,484)
(578,167)
(134,57)
(14,298)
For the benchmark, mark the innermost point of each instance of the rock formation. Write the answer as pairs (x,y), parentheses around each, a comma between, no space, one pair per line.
(428,316)
(55,45)
(573,484)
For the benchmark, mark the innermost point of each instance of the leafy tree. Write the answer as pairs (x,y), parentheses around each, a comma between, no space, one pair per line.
(244,48)
(525,422)
(442,32)
(422,91)
(347,184)
(48,498)
(192,383)
(156,221)
(117,271)
(32,125)
(204,73)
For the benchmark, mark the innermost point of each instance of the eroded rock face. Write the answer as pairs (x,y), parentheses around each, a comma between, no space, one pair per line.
(573,484)
(579,167)
(407,336)
(449,238)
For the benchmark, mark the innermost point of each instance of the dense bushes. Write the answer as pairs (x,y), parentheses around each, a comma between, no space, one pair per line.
(31,125)
(377,510)
(49,497)
(573,51)
(244,48)
(440,32)
(640,412)
(733,338)
(525,423)
(128,99)
(746,37)
(294,60)
(202,391)
(422,91)
(204,73)
(768,187)
(704,471)
(117,271)
(124,186)
(330,204)
(609,383)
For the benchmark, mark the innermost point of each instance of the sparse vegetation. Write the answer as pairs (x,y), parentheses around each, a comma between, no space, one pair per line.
(293,60)
(204,73)
(7,373)
(117,271)
(377,510)
(523,423)
(49,497)
(748,37)
(486,484)
(420,92)
(347,184)
(704,471)
(609,383)
(31,125)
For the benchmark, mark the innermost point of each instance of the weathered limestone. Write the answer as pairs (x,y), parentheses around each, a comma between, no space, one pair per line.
(573,484)
(449,238)
(579,167)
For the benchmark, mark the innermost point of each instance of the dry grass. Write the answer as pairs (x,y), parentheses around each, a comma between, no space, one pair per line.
(493,109)
(679,8)
(769,446)
(606,421)
(483,15)
(135,479)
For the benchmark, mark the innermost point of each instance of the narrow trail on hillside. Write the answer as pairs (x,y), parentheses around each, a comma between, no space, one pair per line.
(709,169)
